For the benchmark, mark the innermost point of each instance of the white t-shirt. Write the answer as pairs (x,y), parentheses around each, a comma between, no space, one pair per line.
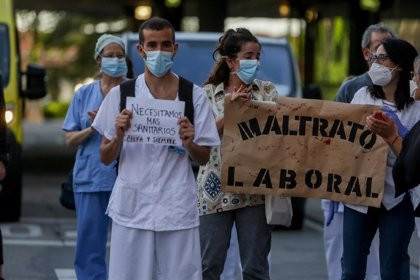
(408,117)
(155,188)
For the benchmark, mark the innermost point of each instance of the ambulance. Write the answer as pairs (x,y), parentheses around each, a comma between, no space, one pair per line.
(17,86)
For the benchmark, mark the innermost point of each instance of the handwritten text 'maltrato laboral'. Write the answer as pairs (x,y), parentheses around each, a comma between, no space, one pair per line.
(320,127)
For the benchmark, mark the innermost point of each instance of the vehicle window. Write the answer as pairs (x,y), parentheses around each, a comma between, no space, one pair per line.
(194,61)
(4,54)
(277,67)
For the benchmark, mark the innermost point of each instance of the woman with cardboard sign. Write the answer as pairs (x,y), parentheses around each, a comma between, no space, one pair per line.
(407,165)
(237,63)
(390,74)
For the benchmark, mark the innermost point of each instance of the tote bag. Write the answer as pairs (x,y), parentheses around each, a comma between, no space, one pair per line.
(278,210)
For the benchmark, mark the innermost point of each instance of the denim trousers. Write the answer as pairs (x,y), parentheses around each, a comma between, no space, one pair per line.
(395,229)
(254,239)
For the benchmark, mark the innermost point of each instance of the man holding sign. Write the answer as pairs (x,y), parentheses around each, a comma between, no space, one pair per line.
(154,202)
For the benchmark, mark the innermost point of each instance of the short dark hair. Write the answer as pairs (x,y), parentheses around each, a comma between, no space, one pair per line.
(375,28)
(155,23)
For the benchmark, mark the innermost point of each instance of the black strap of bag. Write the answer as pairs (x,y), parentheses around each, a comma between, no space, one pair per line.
(185,93)
(127,89)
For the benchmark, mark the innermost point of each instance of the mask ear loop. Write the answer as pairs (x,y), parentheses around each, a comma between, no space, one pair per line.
(398,68)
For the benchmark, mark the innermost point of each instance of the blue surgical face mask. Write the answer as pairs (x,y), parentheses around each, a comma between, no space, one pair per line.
(159,62)
(113,66)
(248,69)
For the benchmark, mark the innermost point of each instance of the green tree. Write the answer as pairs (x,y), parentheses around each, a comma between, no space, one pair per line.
(67,49)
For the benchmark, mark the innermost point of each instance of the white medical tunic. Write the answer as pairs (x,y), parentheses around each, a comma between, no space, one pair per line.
(155,188)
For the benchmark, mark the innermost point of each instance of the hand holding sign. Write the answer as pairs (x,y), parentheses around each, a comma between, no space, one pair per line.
(382,125)
(402,130)
(186,132)
(243,92)
(378,115)
(122,123)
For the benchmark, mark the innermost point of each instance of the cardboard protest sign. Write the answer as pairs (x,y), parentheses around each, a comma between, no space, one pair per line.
(305,148)
(154,121)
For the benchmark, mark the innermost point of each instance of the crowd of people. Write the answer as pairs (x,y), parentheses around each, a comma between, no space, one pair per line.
(150,191)
(157,230)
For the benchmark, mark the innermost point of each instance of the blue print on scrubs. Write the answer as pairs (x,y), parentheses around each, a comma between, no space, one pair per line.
(212,186)
(179,150)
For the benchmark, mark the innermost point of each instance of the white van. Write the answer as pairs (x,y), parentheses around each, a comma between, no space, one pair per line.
(12,79)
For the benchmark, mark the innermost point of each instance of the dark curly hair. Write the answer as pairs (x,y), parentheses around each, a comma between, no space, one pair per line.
(230,43)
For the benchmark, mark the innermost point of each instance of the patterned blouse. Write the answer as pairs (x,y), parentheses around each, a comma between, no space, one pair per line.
(210,197)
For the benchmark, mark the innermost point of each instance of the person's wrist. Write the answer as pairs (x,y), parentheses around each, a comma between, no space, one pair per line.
(118,138)
(392,139)
(189,146)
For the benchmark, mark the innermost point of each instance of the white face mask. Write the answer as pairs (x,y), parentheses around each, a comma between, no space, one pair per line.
(380,75)
(413,89)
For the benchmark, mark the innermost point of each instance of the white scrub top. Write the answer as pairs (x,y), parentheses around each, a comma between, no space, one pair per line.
(408,117)
(155,188)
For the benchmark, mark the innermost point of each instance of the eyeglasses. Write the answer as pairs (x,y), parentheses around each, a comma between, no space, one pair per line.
(379,57)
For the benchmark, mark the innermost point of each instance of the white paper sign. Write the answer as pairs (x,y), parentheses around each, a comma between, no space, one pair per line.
(154,121)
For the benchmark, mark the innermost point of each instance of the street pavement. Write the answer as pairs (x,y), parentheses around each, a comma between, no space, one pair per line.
(41,245)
